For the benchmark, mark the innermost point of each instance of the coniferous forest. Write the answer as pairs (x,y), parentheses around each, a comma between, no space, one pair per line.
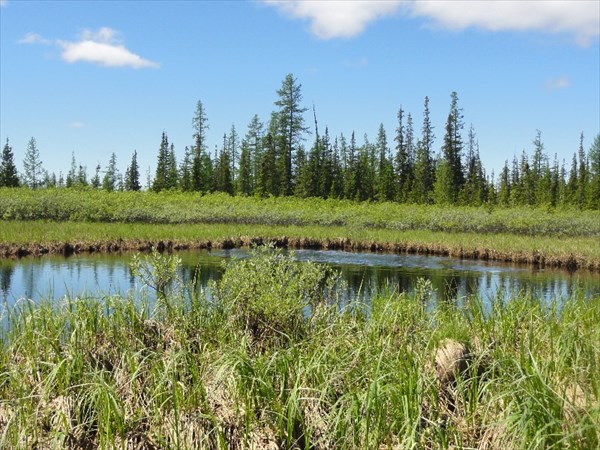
(290,156)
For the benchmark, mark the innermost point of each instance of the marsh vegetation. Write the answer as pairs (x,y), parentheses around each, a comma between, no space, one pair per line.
(273,359)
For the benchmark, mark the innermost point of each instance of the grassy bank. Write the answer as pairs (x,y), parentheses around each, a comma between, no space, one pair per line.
(187,208)
(250,369)
(36,237)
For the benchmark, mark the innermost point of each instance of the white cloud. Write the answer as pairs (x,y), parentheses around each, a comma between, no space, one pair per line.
(561,82)
(103,48)
(347,18)
(77,125)
(100,47)
(579,18)
(3,3)
(34,38)
(335,19)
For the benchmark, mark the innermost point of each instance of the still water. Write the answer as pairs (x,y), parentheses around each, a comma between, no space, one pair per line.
(97,275)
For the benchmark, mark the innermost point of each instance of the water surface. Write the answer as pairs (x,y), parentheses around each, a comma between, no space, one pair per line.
(104,274)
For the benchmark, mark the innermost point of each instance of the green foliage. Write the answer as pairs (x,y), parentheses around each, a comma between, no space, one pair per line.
(270,295)
(160,273)
(108,372)
(179,207)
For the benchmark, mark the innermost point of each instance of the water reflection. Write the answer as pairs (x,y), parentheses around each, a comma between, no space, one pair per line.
(56,277)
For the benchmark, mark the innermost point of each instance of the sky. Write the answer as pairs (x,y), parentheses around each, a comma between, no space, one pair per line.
(97,77)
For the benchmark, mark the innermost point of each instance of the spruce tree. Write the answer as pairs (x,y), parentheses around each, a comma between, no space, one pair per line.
(72,174)
(504,188)
(223,178)
(200,169)
(572,182)
(132,175)
(255,137)
(95,182)
(337,182)
(161,176)
(81,179)
(582,182)
(8,171)
(33,171)
(593,197)
(110,180)
(233,149)
(403,160)
(385,174)
(172,174)
(244,182)
(291,128)
(185,171)
(451,168)
(424,168)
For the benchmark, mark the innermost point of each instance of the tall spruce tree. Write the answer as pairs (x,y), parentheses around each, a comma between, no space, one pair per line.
(233,149)
(451,168)
(475,186)
(291,128)
(223,178)
(200,167)
(424,168)
(8,170)
(403,160)
(33,172)
(255,138)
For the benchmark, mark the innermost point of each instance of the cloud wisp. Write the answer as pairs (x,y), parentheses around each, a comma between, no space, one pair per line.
(100,47)
(554,84)
(347,18)
(34,38)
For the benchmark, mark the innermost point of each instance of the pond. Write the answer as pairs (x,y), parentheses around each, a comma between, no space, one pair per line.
(55,277)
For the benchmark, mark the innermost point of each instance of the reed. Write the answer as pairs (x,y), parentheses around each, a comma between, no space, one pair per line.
(272,359)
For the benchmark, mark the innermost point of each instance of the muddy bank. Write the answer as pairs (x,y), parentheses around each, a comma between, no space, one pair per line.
(537,259)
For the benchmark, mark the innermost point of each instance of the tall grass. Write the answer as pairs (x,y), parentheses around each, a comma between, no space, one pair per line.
(273,360)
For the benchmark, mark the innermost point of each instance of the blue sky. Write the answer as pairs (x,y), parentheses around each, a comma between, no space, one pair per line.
(96,77)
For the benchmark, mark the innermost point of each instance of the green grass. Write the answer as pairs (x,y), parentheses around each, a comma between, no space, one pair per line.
(585,251)
(177,207)
(250,367)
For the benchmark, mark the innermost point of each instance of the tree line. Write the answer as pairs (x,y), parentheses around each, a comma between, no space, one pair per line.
(272,160)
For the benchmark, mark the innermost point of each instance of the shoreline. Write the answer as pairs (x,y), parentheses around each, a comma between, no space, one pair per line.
(538,259)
